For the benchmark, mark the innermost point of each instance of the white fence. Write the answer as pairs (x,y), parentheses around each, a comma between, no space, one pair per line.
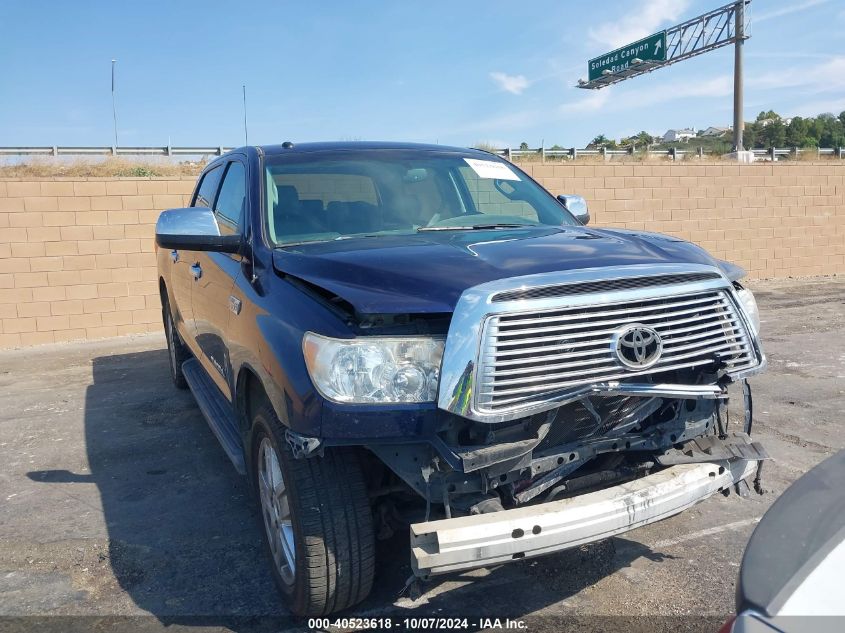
(774,153)
(57,150)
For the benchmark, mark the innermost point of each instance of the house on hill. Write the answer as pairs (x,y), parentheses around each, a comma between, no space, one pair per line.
(716,132)
(769,121)
(673,136)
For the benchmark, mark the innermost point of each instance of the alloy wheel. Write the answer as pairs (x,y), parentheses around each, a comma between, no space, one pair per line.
(275,508)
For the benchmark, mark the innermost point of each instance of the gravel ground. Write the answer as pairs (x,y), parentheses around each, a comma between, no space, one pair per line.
(119,508)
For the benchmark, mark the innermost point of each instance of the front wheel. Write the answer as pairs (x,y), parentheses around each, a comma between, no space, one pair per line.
(317,521)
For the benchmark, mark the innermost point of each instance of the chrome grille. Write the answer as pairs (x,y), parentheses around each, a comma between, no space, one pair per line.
(530,358)
(604,285)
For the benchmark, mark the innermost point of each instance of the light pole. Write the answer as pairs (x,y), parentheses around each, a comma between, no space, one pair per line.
(246,133)
(113,107)
(739,121)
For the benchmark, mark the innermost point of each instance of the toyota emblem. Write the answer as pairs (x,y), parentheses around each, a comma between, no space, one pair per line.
(637,346)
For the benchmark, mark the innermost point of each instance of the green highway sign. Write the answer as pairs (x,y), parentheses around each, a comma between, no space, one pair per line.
(650,49)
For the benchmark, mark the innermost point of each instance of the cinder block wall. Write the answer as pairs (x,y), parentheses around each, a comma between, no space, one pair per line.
(76,255)
(775,220)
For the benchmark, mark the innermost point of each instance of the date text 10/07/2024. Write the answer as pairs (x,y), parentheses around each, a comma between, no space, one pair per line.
(413,623)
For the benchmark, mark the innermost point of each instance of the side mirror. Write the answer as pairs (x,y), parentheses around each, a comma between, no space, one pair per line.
(577,206)
(193,229)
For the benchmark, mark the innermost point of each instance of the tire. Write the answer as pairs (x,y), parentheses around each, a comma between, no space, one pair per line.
(177,351)
(328,526)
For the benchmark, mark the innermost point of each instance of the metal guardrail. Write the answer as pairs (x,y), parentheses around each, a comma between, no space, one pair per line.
(572,153)
(57,150)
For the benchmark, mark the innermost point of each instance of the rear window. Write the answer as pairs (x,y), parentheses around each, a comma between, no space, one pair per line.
(328,188)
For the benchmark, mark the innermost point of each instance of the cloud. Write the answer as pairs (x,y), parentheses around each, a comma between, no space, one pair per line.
(515,84)
(632,97)
(824,77)
(613,99)
(792,8)
(790,55)
(639,22)
(594,100)
(718,86)
(498,124)
(815,108)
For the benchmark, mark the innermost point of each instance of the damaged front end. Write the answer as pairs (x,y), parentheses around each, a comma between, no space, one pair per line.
(595,441)
(617,395)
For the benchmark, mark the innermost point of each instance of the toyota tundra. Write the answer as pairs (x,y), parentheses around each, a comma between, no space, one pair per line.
(390,337)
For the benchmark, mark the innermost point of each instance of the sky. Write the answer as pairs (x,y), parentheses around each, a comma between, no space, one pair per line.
(449,72)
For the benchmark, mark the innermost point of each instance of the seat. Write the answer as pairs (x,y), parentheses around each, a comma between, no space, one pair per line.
(313,208)
(348,218)
(290,217)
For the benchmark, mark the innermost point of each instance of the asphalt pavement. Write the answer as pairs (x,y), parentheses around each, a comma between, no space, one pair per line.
(119,510)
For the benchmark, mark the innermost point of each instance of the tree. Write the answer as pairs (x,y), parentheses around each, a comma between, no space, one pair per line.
(751,137)
(523,145)
(796,132)
(774,134)
(643,139)
(602,141)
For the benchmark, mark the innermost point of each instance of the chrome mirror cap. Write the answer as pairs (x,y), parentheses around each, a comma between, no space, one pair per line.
(577,206)
(193,229)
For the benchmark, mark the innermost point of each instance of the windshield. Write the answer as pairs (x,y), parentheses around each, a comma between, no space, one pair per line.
(323,196)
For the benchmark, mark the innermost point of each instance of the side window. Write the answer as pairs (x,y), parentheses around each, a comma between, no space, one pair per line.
(232,199)
(207,188)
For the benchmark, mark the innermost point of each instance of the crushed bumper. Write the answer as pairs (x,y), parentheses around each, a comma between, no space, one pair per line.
(448,545)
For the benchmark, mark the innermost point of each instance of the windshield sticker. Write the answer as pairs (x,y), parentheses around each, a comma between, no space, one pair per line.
(491,169)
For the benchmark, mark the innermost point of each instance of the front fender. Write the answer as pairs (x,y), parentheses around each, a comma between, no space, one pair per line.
(266,339)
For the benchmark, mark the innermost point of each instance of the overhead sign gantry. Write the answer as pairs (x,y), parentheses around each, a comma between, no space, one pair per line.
(649,50)
(730,24)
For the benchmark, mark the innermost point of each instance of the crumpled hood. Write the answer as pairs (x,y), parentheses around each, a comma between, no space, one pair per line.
(427,272)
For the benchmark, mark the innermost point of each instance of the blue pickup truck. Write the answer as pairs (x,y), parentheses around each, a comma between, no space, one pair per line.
(390,336)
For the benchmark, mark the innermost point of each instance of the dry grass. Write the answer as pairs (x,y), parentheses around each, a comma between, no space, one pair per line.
(642,157)
(108,167)
(485,146)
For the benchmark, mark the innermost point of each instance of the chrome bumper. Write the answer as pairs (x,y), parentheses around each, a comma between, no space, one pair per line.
(439,547)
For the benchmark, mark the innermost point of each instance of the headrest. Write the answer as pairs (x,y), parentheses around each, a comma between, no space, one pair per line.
(337,206)
(288,197)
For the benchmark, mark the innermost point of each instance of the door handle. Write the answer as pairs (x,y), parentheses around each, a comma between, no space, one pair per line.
(174,256)
(196,271)
(234,304)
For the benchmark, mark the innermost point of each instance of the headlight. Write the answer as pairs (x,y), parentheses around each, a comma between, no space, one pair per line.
(374,369)
(749,304)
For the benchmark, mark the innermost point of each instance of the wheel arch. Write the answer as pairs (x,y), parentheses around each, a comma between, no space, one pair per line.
(250,394)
